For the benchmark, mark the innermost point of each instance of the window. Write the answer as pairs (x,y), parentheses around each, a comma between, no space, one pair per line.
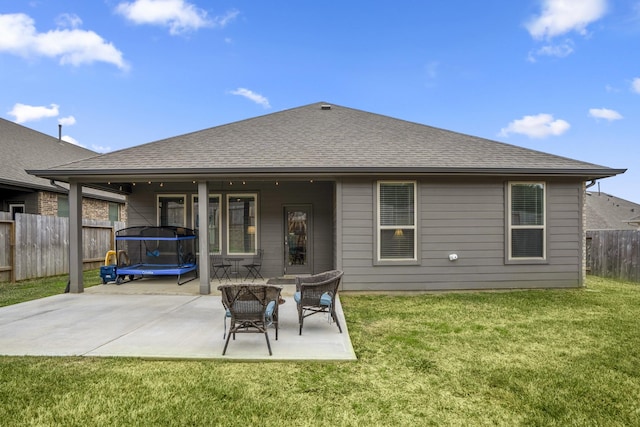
(527,218)
(397,221)
(114,212)
(16,208)
(171,210)
(242,226)
(63,206)
(213,221)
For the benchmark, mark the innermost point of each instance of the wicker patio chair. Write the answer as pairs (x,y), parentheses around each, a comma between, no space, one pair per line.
(252,308)
(317,294)
(253,268)
(218,265)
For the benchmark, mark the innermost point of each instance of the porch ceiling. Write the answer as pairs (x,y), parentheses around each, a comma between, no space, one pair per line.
(122,181)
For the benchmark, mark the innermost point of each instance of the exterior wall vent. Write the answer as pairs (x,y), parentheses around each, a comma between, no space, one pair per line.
(325,107)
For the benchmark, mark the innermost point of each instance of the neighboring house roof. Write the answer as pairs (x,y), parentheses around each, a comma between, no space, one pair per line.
(322,138)
(607,212)
(24,148)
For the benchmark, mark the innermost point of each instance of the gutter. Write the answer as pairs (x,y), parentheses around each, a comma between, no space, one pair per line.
(131,174)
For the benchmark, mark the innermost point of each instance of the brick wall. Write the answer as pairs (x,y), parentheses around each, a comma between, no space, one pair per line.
(123,212)
(47,203)
(91,208)
(95,209)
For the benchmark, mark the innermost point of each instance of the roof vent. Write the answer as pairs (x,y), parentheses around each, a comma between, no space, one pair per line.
(325,107)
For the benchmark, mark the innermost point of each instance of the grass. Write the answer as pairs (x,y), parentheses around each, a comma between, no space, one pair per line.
(26,290)
(532,358)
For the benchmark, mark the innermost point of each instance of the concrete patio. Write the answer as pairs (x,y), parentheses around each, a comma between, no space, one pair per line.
(153,318)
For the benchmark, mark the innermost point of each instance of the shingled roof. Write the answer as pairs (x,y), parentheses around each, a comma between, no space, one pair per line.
(24,148)
(324,138)
(607,212)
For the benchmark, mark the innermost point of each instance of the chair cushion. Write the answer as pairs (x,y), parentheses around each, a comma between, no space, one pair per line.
(228,313)
(325,299)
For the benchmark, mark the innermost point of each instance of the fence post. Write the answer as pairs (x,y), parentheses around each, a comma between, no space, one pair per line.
(11,268)
(12,252)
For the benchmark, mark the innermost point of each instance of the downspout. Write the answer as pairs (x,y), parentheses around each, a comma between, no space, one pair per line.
(53,182)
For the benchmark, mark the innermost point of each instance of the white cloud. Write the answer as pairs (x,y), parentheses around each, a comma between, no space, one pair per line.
(562,16)
(179,15)
(71,140)
(635,85)
(67,121)
(224,20)
(100,148)
(96,148)
(558,50)
(605,113)
(68,20)
(538,126)
(27,113)
(257,98)
(611,89)
(18,35)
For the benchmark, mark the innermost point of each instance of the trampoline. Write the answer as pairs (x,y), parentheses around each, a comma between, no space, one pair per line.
(156,251)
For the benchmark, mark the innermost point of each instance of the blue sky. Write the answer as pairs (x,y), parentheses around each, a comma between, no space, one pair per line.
(560,76)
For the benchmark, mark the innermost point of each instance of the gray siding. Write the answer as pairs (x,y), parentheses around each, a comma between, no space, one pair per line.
(466,218)
(455,216)
(271,201)
(30,200)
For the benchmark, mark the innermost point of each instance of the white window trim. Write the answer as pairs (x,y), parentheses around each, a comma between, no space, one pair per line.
(542,227)
(228,223)
(17,205)
(184,214)
(379,227)
(194,213)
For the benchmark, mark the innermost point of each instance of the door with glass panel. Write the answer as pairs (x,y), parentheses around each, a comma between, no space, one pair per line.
(298,244)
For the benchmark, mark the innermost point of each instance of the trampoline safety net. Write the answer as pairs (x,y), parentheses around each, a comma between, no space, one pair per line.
(162,246)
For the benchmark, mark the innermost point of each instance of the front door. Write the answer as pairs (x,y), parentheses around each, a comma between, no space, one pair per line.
(298,240)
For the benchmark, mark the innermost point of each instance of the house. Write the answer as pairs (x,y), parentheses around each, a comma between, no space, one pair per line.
(612,226)
(396,205)
(607,212)
(20,192)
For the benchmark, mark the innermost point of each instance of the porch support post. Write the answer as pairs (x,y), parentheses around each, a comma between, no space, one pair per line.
(75,238)
(203,238)
(337,254)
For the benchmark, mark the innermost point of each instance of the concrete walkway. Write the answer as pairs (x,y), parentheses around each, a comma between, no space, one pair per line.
(108,320)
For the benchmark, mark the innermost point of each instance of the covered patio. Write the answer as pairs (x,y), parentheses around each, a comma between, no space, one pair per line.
(157,319)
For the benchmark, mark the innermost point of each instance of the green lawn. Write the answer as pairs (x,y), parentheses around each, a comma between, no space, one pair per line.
(535,358)
(13,293)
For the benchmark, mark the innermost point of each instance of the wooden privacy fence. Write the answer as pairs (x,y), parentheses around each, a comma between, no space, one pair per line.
(34,246)
(614,254)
